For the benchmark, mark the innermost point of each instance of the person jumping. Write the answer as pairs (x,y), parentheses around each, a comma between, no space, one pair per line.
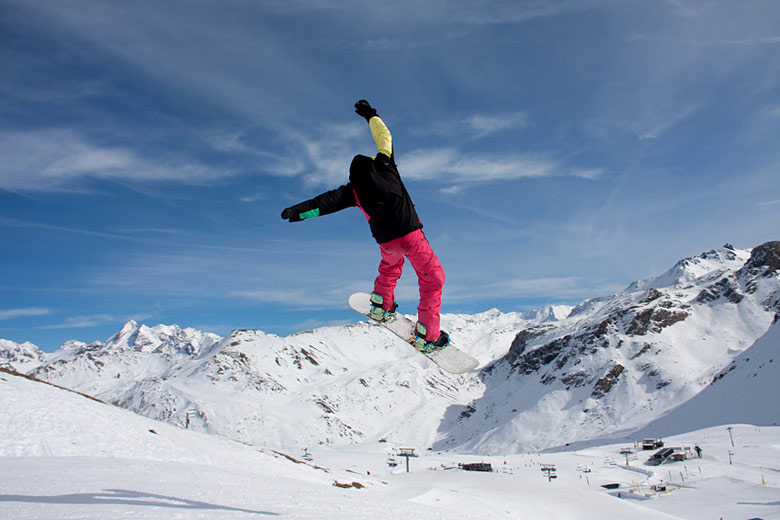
(376,188)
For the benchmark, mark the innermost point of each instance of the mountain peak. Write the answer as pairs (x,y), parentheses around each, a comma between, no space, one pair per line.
(22,355)
(130,327)
(688,270)
(553,312)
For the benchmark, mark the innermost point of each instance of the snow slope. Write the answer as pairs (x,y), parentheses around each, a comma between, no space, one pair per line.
(744,392)
(67,456)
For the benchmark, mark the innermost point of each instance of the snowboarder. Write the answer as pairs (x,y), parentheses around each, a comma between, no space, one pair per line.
(376,188)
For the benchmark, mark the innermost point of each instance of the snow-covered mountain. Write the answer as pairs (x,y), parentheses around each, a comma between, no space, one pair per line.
(20,356)
(134,353)
(744,392)
(617,363)
(607,366)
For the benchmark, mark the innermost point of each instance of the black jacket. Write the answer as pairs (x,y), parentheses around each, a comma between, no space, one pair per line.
(376,187)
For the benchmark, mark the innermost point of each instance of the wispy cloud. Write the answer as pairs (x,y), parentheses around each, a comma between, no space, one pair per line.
(10,314)
(93,320)
(590,174)
(550,289)
(682,69)
(61,159)
(254,197)
(328,150)
(130,234)
(485,125)
(453,166)
(424,24)
(546,286)
(257,151)
(226,39)
(294,297)
(476,125)
(324,294)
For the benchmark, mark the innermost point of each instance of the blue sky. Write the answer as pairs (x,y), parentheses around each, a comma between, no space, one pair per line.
(556,151)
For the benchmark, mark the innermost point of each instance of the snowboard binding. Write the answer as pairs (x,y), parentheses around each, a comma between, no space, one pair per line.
(378,312)
(426,347)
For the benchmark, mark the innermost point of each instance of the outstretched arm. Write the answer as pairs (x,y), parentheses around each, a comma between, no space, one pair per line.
(382,137)
(329,202)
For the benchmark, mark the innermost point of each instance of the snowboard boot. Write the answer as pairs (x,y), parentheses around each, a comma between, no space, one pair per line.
(378,313)
(425,346)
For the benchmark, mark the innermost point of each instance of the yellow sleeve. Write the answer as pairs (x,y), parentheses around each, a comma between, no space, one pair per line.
(384,141)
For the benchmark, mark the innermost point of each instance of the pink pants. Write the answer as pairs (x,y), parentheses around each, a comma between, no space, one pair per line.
(430,277)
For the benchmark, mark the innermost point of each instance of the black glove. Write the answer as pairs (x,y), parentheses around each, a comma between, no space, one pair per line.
(291,215)
(363,109)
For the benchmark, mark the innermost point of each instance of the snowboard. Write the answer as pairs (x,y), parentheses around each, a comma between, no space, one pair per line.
(450,359)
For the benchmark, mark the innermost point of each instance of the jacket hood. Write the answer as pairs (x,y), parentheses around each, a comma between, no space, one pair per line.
(360,168)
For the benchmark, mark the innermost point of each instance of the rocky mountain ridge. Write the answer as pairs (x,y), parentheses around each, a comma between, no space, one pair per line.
(617,363)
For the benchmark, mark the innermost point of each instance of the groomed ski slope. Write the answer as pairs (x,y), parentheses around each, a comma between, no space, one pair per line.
(65,456)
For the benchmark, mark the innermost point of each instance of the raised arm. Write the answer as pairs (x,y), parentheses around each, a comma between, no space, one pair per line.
(382,137)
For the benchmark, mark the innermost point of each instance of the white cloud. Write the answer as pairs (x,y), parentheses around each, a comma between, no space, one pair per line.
(137,234)
(545,286)
(254,197)
(590,174)
(58,159)
(299,298)
(285,297)
(451,165)
(455,189)
(328,150)
(274,162)
(484,125)
(428,164)
(238,60)
(474,126)
(549,289)
(231,142)
(329,158)
(10,314)
(324,153)
(93,320)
